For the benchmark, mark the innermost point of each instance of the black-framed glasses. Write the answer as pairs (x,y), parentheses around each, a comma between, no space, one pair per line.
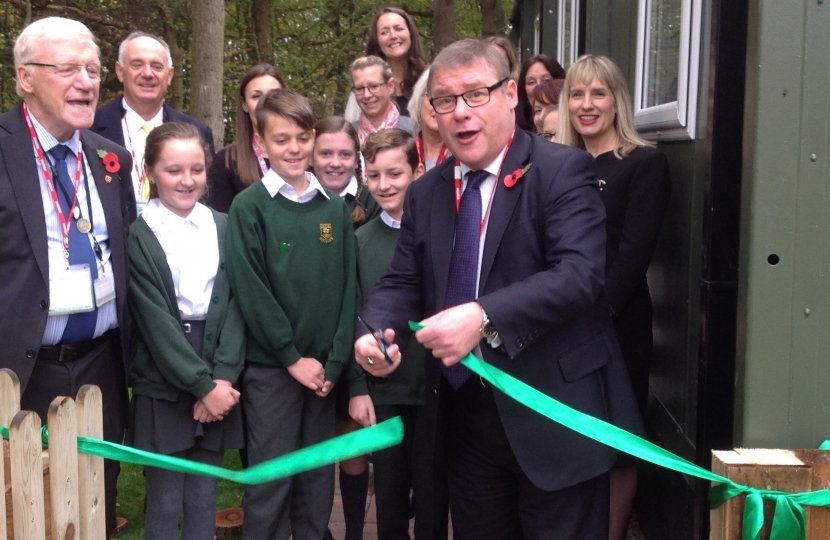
(95,71)
(372,87)
(473,98)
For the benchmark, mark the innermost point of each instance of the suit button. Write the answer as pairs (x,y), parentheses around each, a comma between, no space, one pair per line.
(221,266)
(31,353)
(215,299)
(208,336)
(44,304)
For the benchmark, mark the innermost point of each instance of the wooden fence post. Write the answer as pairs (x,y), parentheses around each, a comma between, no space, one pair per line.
(63,468)
(9,406)
(27,476)
(89,404)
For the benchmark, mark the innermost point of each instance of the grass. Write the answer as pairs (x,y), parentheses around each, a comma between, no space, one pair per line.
(131,495)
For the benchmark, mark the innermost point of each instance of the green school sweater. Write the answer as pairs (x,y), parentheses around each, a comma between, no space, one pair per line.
(163,362)
(292,269)
(375,246)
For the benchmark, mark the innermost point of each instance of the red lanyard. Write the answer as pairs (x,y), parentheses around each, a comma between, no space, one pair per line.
(259,157)
(492,192)
(419,147)
(138,172)
(65,221)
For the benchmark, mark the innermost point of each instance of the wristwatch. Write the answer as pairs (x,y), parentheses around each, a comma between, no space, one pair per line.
(487,329)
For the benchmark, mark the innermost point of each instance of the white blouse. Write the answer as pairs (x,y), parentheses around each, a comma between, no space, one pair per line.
(191,245)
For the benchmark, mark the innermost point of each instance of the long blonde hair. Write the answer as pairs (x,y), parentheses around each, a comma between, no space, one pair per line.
(607,73)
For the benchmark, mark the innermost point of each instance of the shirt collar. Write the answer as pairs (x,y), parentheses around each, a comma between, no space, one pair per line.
(492,168)
(273,182)
(389,220)
(48,141)
(137,122)
(156,213)
(350,189)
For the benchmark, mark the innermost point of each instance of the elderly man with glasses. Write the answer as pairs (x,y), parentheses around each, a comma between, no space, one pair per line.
(65,206)
(502,254)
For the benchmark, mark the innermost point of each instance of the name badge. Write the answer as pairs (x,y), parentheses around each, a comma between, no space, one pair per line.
(104,290)
(70,290)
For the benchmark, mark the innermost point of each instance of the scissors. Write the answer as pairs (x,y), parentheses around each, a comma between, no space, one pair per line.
(378,335)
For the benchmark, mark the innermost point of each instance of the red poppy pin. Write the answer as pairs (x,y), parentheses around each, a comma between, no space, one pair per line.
(511,179)
(110,160)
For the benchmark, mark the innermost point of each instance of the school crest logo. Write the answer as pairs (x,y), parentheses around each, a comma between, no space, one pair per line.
(325,233)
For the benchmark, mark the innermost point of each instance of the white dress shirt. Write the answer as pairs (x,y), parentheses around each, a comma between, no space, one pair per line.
(107,314)
(274,183)
(135,140)
(191,245)
(394,223)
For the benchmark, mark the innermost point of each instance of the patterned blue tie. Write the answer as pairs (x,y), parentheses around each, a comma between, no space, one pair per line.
(461,286)
(81,326)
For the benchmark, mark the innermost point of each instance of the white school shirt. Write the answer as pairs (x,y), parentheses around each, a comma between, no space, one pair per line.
(274,183)
(191,245)
(107,314)
(135,140)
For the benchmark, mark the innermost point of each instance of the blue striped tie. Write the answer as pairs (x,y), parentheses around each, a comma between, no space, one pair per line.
(461,285)
(81,326)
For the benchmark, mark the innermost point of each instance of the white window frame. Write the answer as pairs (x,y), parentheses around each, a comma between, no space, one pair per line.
(560,32)
(676,120)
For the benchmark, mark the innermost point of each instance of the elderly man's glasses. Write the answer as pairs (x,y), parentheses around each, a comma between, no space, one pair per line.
(94,71)
(372,88)
(473,98)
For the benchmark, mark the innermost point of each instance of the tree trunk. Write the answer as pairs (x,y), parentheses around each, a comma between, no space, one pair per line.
(261,22)
(443,30)
(176,91)
(492,17)
(208,64)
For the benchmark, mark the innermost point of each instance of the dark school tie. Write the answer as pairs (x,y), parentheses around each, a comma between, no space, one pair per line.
(81,326)
(461,286)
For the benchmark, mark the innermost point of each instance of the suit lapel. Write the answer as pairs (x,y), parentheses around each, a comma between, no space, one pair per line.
(21,166)
(504,202)
(442,232)
(108,192)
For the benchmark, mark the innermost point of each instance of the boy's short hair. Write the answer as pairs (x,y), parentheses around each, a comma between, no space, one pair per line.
(287,104)
(389,139)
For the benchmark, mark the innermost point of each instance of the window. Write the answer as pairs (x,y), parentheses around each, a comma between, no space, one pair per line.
(668,58)
(567,32)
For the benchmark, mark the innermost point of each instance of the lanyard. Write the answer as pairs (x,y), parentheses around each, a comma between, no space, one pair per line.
(419,147)
(457,171)
(65,221)
(259,157)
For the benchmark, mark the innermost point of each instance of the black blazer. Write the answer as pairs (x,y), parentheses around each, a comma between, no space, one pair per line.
(108,122)
(24,264)
(541,284)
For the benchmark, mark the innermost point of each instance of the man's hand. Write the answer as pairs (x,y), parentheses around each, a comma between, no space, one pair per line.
(309,372)
(362,410)
(371,359)
(452,333)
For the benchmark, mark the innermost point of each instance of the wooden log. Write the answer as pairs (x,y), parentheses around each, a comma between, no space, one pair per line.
(9,406)
(229,523)
(89,405)
(63,468)
(781,470)
(27,477)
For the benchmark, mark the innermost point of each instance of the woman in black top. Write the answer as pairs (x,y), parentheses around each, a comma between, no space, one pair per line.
(634,185)
(534,70)
(240,164)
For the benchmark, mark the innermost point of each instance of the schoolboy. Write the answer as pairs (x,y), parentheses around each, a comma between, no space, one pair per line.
(291,264)
(391,162)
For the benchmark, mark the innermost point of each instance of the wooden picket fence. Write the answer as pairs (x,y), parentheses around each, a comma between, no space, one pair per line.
(56,494)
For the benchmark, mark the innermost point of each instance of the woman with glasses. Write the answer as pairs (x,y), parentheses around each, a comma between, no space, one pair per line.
(242,162)
(373,86)
(635,187)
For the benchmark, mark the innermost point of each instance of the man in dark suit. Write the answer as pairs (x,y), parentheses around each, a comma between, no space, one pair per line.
(65,204)
(513,270)
(145,68)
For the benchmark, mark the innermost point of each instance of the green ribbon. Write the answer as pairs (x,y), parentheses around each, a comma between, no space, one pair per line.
(356,443)
(789,520)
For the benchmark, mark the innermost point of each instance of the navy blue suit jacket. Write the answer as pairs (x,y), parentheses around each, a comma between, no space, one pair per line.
(541,284)
(108,122)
